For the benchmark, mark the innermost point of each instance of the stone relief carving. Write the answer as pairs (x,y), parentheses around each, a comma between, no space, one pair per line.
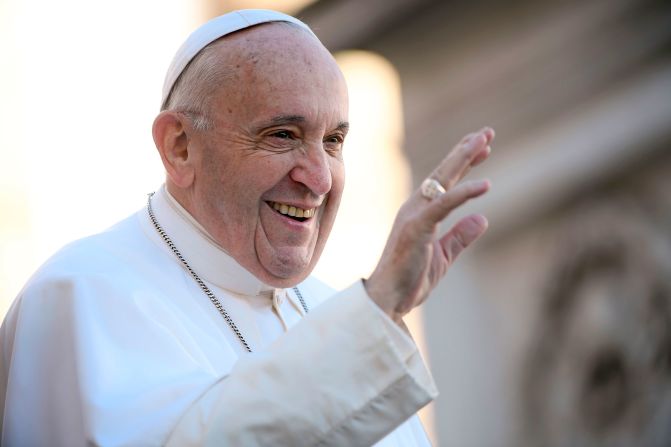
(598,370)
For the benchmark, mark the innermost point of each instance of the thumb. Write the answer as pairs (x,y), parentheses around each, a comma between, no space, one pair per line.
(462,234)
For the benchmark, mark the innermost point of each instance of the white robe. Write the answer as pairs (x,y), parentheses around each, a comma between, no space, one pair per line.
(112,343)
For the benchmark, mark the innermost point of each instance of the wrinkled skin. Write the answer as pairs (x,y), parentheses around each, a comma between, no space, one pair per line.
(279,127)
(416,257)
(279,123)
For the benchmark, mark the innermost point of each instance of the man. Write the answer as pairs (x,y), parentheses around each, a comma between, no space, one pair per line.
(172,327)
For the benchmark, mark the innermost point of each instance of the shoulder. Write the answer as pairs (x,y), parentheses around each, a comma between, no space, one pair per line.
(119,272)
(116,248)
(108,264)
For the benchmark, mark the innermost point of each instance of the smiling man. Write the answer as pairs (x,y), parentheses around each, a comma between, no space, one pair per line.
(195,321)
(278,125)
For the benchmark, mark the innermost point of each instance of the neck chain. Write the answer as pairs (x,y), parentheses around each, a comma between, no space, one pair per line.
(202,284)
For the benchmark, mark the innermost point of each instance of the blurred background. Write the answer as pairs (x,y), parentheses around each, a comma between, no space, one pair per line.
(555,329)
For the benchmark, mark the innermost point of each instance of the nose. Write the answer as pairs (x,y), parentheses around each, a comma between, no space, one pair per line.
(313,169)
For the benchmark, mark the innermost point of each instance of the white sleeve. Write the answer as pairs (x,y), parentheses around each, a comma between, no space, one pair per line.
(83,364)
(345,375)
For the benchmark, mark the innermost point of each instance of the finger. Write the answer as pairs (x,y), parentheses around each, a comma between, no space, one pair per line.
(487,131)
(479,158)
(472,149)
(463,234)
(441,206)
(466,138)
(489,134)
(454,166)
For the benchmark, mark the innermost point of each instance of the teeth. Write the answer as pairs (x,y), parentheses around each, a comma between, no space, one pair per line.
(293,210)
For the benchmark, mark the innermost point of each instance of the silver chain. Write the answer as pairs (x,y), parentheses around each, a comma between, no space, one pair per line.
(202,284)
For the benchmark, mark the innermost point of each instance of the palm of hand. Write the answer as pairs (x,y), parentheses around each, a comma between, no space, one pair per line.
(415,257)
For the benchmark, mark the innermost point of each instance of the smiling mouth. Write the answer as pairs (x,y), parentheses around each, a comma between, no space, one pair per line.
(292,212)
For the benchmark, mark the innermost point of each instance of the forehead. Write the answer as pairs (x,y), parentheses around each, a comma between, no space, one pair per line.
(262,50)
(279,66)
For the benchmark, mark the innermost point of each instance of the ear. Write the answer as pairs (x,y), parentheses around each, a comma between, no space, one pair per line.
(172,141)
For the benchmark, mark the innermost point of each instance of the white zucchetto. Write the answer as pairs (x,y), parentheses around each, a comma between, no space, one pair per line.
(215,29)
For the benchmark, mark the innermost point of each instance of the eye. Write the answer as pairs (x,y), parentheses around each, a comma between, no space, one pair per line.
(284,134)
(333,144)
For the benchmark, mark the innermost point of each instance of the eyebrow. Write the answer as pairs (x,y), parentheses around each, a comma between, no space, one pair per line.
(295,119)
(286,119)
(343,125)
(279,120)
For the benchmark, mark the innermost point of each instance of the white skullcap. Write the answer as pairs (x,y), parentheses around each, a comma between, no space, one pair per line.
(213,30)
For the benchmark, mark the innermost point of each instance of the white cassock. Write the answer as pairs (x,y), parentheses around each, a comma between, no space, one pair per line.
(113,343)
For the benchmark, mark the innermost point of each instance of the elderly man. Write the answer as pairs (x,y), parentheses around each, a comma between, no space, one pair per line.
(195,321)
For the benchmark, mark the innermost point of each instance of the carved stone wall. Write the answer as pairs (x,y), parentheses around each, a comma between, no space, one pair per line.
(598,368)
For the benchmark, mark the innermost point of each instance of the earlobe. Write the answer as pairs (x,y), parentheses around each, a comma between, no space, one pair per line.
(172,141)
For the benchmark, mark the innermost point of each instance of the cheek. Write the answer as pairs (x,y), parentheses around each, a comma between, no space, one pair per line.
(334,198)
(226,193)
(337,181)
(337,167)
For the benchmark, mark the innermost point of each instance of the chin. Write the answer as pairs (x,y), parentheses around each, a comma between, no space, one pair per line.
(287,272)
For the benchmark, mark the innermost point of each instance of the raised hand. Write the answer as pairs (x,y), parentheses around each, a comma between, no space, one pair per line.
(416,257)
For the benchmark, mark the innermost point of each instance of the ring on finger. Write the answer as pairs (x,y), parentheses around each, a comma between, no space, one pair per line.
(431,188)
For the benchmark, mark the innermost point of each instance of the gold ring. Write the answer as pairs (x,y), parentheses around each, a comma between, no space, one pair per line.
(431,188)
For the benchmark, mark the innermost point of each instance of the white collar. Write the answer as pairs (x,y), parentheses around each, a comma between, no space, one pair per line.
(200,250)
